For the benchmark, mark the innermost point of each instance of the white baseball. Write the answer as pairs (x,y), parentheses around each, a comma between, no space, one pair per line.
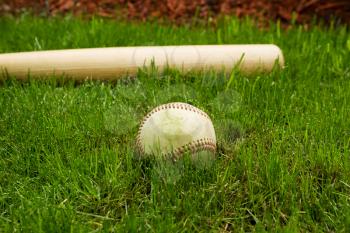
(174,129)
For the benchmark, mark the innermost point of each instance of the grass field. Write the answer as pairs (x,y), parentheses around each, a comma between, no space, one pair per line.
(67,160)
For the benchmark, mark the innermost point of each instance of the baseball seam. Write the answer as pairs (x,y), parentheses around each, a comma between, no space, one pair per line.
(195,146)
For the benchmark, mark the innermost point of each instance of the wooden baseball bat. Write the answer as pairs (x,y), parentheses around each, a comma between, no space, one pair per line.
(113,63)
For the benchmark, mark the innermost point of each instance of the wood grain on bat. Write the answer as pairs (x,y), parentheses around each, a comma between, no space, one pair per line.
(113,63)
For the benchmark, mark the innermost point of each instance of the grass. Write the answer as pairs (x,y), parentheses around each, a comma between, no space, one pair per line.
(67,151)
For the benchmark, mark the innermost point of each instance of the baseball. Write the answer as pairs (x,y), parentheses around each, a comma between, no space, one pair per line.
(173,129)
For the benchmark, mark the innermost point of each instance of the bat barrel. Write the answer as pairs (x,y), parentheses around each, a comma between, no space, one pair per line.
(113,63)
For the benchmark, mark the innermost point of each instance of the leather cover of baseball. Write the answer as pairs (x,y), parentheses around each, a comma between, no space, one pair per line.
(174,129)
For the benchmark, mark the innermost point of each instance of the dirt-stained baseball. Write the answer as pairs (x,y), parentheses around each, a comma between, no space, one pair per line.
(174,129)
